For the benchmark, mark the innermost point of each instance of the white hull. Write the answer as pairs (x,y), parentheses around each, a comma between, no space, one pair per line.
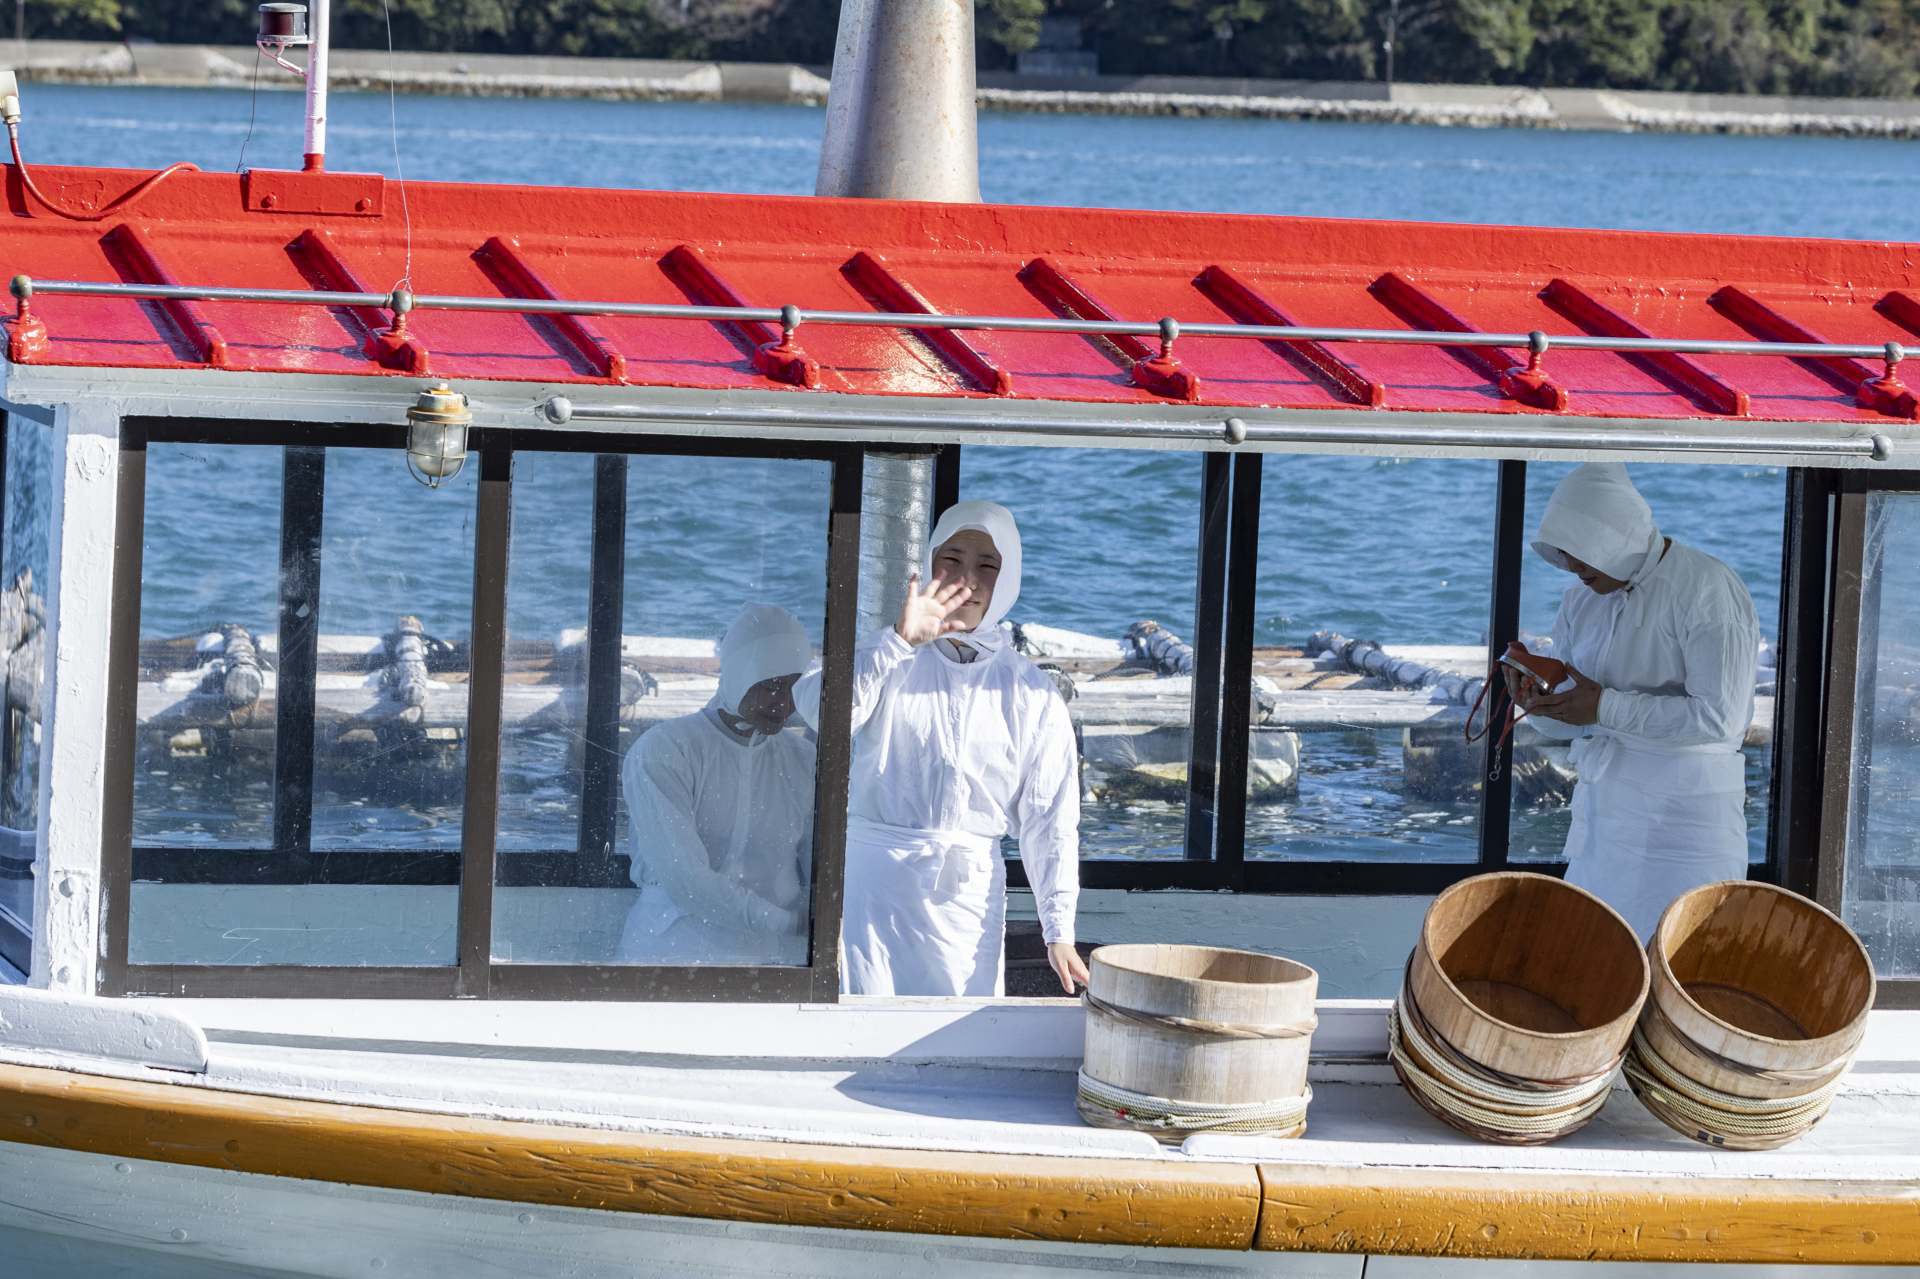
(67,1215)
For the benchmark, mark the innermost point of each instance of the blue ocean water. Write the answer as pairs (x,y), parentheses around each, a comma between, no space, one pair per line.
(1392,549)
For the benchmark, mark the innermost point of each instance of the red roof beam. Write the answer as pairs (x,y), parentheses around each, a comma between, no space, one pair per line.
(1155,371)
(384,336)
(1247,305)
(775,355)
(516,277)
(891,293)
(136,261)
(1901,308)
(1882,392)
(1527,383)
(1679,371)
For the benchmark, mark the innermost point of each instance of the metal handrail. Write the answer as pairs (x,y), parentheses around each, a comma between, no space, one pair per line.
(1235,431)
(790,318)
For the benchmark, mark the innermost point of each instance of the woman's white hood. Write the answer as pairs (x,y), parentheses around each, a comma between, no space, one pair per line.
(1597,516)
(764,642)
(997,523)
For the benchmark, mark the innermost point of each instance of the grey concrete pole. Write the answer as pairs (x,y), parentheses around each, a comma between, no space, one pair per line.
(901,125)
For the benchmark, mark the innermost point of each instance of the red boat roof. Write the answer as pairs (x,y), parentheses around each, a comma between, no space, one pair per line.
(348,232)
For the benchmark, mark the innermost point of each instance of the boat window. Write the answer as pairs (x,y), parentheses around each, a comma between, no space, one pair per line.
(24,581)
(1736,515)
(1369,629)
(301,720)
(1107,609)
(675,828)
(373,732)
(1880,877)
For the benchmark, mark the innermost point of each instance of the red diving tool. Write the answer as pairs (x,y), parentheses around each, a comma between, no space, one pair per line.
(1544,673)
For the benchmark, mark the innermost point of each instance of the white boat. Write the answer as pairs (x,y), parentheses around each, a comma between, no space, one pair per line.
(267,1050)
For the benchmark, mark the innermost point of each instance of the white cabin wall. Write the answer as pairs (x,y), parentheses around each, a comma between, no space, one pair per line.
(1358,945)
(79,602)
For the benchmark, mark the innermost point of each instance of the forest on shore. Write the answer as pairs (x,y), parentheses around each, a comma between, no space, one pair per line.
(1843,48)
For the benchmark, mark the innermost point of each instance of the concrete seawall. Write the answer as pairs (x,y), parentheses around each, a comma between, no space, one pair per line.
(497,75)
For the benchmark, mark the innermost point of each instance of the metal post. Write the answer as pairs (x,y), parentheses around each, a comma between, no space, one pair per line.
(1209,604)
(1503,627)
(486,670)
(606,606)
(1236,702)
(302,527)
(1801,667)
(318,24)
(901,122)
(896,502)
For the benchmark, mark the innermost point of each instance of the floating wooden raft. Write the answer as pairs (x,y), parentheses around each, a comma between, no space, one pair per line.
(224,681)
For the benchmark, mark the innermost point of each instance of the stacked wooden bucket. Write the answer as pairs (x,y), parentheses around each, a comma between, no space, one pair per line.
(1517,1007)
(1760,1001)
(1526,994)
(1193,1039)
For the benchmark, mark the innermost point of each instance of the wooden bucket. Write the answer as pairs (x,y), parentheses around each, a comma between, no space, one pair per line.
(1526,983)
(1217,1039)
(1758,994)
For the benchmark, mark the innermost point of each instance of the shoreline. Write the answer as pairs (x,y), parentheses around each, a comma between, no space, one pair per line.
(644,80)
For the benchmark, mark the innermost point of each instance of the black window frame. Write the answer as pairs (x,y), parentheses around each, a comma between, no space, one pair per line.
(1215,855)
(477,864)
(1799,840)
(1849,494)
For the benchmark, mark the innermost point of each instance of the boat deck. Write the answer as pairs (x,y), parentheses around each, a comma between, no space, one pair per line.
(944,1117)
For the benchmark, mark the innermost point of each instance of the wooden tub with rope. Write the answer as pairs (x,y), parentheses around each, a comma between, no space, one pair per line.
(1193,1039)
(1517,1006)
(1760,1000)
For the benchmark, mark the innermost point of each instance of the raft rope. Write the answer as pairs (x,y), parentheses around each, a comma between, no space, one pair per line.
(1107,1102)
(1480,1100)
(1718,1118)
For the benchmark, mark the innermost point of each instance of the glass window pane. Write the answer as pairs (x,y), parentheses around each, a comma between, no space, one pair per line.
(711,797)
(1882,899)
(374,884)
(1109,544)
(1351,764)
(1736,515)
(24,580)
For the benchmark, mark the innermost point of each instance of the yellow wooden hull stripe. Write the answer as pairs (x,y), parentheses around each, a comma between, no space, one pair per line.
(1585,1217)
(1080,1200)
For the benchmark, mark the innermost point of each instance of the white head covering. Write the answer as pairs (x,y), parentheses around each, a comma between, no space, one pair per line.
(765,641)
(996,522)
(1599,517)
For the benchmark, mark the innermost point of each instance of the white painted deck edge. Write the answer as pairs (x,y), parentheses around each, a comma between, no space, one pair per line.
(118,1030)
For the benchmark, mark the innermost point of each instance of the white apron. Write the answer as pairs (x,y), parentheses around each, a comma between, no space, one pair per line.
(1650,825)
(925,912)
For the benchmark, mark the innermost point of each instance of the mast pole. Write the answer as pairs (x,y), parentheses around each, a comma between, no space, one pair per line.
(320,23)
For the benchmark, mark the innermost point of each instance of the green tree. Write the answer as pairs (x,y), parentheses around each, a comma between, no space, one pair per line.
(73,19)
(1004,28)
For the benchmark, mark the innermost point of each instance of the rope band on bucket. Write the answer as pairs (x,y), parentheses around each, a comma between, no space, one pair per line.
(1468,1095)
(1104,1102)
(1714,1117)
(1218,1029)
